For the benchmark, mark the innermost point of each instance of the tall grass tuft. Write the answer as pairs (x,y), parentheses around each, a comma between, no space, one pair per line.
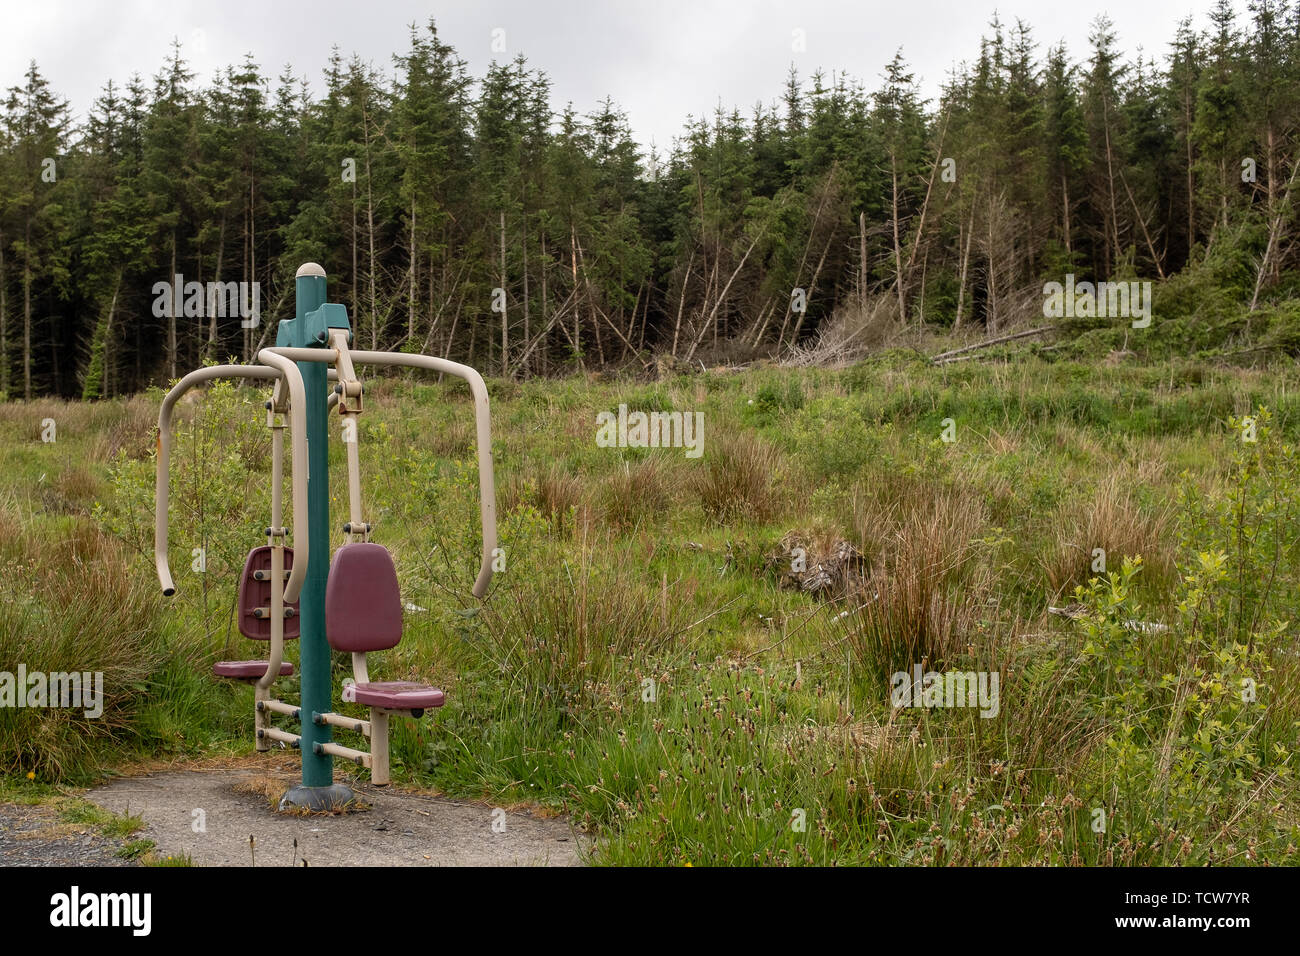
(925,594)
(68,603)
(558,633)
(636,491)
(738,479)
(1114,522)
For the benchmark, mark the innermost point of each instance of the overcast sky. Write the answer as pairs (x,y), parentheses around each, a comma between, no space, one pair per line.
(659,60)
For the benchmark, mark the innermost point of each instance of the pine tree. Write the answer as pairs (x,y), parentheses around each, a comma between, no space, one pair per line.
(170,143)
(1067,146)
(35,123)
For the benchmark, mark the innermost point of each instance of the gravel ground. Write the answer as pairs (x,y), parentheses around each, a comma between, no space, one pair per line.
(33,836)
(399,828)
(211,815)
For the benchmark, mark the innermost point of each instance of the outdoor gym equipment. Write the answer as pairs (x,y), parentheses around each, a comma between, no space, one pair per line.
(351,605)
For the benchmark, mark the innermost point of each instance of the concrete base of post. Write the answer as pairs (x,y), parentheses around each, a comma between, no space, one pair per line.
(329,799)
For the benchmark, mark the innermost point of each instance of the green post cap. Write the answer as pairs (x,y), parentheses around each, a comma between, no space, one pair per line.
(312,330)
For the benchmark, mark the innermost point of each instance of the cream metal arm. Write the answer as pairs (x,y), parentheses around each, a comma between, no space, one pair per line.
(275,369)
(487,488)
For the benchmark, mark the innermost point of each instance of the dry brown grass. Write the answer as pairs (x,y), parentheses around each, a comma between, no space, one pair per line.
(78,485)
(269,788)
(738,478)
(101,429)
(1114,521)
(453,438)
(561,635)
(878,506)
(555,492)
(925,596)
(636,491)
(72,604)
(132,434)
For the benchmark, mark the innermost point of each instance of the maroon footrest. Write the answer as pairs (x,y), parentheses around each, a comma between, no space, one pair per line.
(397,695)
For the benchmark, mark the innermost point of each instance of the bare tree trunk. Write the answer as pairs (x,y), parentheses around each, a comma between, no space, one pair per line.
(765,317)
(812,286)
(541,336)
(197,336)
(210,350)
(542,355)
(1274,235)
(925,204)
(965,267)
(527,317)
(1110,187)
(991,311)
(1065,214)
(591,304)
(175,310)
(410,306)
(704,328)
(4,324)
(252,252)
(898,247)
(862,259)
(246,336)
(1191,179)
(645,315)
(354,279)
(812,232)
(505,333)
(920,309)
(1271,167)
(681,302)
(597,310)
(1141,221)
(370,237)
(106,358)
(473,338)
(577,320)
(455,319)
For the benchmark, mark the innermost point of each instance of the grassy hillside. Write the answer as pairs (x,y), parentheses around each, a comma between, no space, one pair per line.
(651,662)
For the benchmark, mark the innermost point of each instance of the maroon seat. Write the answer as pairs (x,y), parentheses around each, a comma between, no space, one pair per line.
(255,593)
(363,612)
(397,695)
(247,670)
(363,609)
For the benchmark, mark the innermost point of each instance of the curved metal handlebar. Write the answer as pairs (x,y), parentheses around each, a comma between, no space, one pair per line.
(487,488)
(298,417)
(483,441)
(298,433)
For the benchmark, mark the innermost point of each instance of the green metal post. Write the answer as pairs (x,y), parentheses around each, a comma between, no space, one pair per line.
(317,790)
(317,769)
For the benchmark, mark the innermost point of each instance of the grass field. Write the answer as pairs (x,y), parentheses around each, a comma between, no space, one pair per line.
(649,662)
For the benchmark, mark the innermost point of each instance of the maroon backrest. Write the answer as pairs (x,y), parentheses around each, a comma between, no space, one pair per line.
(254,594)
(363,610)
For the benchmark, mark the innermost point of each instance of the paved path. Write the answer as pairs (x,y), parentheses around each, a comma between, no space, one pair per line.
(400,829)
(34,836)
